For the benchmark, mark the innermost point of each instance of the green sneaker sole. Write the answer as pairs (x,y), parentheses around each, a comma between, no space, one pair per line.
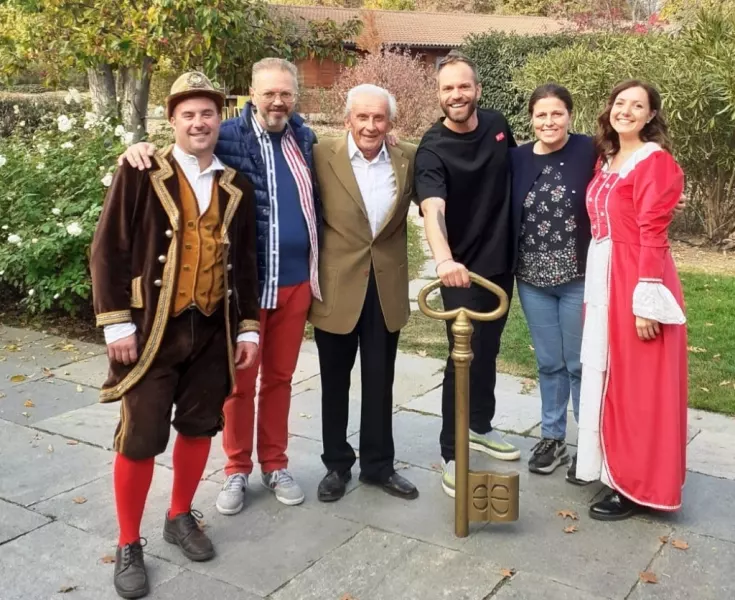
(508,453)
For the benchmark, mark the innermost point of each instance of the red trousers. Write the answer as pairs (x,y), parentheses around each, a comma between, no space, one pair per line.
(281,333)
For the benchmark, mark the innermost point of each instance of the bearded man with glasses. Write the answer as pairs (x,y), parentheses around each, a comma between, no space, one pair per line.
(271,145)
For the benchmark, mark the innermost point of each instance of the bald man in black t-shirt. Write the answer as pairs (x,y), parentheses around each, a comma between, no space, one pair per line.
(463,186)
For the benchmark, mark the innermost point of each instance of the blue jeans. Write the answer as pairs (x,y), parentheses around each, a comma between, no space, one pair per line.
(554,317)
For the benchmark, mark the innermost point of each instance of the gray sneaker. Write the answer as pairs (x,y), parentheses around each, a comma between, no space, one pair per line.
(281,483)
(231,498)
(492,443)
(448,471)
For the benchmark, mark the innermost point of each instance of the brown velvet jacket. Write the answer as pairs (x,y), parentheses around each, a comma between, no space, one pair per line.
(135,255)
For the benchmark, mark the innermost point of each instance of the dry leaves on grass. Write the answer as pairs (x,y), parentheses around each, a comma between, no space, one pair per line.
(79,500)
(696,350)
(571,529)
(507,572)
(568,514)
(107,559)
(680,544)
(648,577)
(29,404)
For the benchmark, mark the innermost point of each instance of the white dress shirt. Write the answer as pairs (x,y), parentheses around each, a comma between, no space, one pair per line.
(201,183)
(377,182)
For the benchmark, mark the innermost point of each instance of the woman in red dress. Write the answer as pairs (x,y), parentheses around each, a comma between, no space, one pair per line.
(633,400)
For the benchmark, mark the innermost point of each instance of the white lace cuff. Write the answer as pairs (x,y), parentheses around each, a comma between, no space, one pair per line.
(653,300)
(249,336)
(118,331)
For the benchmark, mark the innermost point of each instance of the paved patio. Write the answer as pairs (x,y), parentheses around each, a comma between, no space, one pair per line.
(57,523)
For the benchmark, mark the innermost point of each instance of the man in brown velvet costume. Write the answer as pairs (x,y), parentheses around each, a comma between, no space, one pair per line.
(176,288)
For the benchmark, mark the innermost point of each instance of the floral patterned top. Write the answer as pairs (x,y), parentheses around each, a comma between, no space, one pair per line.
(548,253)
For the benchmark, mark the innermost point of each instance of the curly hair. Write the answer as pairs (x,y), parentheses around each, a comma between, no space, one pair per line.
(607,142)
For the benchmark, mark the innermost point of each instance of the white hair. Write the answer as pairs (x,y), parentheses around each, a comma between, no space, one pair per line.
(369,89)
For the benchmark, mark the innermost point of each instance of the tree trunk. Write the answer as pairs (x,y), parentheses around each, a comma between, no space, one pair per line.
(135,84)
(102,89)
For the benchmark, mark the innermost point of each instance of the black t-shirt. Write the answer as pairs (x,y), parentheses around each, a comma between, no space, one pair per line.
(470,172)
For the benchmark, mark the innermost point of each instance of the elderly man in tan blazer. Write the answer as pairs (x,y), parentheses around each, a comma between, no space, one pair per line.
(366,187)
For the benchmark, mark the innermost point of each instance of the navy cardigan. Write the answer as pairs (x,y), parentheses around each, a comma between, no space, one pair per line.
(577,161)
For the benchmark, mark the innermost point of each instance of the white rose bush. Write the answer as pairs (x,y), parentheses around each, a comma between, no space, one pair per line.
(53,180)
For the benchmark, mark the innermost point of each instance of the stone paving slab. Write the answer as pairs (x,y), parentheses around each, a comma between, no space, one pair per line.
(429,518)
(200,587)
(305,416)
(94,424)
(416,285)
(39,565)
(527,586)
(51,352)
(713,453)
(375,565)
(703,572)
(265,546)
(16,520)
(91,371)
(707,508)
(44,465)
(600,558)
(48,397)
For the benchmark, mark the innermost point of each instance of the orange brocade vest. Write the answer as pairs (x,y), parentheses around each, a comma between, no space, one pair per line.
(200,280)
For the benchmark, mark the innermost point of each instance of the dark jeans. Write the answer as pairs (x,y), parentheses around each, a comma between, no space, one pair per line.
(485,348)
(337,354)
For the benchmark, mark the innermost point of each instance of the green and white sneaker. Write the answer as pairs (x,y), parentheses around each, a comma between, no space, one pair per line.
(492,443)
(448,477)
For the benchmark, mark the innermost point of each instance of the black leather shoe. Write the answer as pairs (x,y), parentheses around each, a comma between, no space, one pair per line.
(613,507)
(395,485)
(183,530)
(130,578)
(332,487)
(572,474)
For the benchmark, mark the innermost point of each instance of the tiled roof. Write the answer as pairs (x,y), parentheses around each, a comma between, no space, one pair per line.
(427,29)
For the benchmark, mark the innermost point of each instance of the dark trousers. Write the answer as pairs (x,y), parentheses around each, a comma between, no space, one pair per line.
(337,354)
(485,348)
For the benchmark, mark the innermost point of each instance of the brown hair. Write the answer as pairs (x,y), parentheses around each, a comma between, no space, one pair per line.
(607,142)
(551,90)
(454,57)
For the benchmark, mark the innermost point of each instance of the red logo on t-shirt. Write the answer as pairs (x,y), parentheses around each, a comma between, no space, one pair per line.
(500,137)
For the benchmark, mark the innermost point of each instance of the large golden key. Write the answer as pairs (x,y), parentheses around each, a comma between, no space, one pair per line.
(479,495)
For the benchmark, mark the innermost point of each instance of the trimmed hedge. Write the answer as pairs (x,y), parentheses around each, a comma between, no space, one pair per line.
(31,110)
(498,56)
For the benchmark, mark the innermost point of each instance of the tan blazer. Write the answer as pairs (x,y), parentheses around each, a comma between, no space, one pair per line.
(348,245)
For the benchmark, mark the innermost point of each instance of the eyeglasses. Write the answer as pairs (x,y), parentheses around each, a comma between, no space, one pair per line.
(285,97)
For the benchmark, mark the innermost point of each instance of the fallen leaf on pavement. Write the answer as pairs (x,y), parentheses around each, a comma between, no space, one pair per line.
(507,572)
(648,577)
(348,597)
(12,348)
(304,416)
(50,449)
(107,559)
(2,395)
(435,467)
(66,589)
(47,372)
(570,529)
(79,388)
(26,415)
(680,544)
(79,500)
(568,514)
(72,443)
(664,539)
(29,404)
(18,378)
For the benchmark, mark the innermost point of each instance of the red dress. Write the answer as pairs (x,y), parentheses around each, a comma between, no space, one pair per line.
(633,402)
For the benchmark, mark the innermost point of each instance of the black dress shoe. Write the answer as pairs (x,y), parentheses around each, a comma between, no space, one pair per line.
(183,530)
(130,578)
(395,485)
(572,474)
(614,507)
(332,487)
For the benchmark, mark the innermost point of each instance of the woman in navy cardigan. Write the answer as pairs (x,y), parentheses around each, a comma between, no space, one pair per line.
(552,229)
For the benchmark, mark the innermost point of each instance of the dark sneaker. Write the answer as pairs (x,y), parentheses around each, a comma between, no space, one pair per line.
(572,474)
(614,507)
(547,456)
(130,578)
(184,531)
